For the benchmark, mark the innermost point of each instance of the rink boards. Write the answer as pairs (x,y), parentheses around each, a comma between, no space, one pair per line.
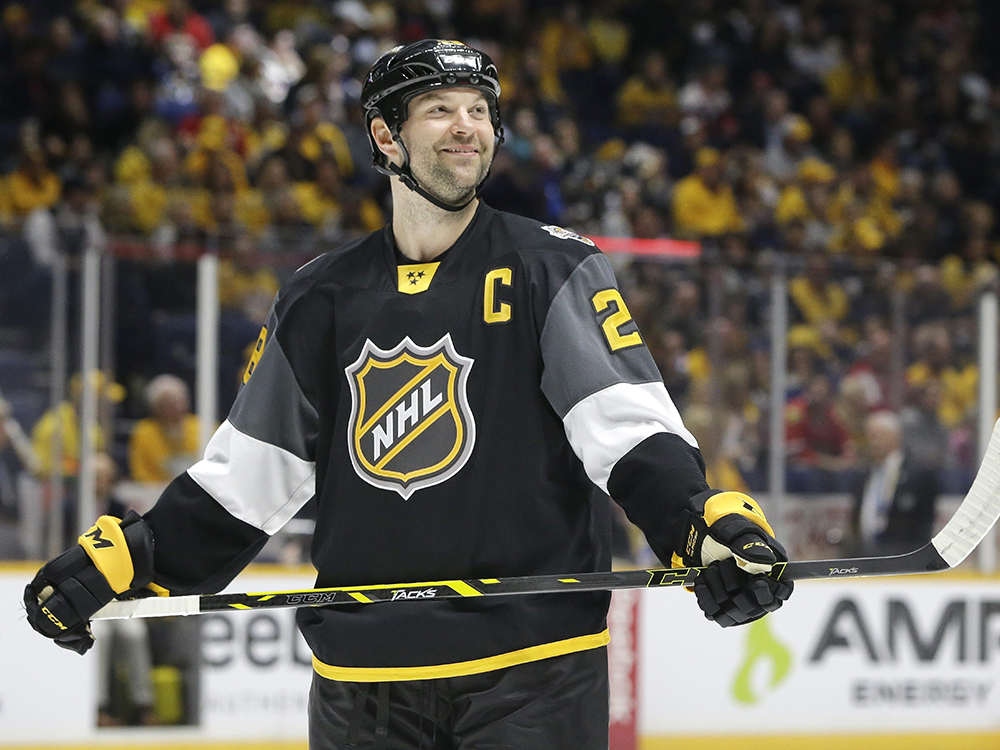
(882,663)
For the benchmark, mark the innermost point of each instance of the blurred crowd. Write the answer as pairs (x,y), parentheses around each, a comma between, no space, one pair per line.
(853,141)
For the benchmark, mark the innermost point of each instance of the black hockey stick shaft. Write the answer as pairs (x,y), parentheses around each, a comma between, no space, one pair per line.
(926,559)
(964,531)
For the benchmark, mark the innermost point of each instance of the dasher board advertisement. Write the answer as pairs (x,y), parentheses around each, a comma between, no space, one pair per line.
(896,655)
(47,694)
(875,656)
(255,669)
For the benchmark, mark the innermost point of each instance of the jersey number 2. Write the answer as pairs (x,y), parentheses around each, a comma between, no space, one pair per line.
(612,298)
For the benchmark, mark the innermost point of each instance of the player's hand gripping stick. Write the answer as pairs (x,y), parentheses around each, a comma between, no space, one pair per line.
(112,558)
(728,533)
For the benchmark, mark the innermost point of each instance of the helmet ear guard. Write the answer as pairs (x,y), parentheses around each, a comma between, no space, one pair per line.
(405,72)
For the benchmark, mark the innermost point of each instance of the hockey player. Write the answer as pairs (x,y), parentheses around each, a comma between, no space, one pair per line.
(457,390)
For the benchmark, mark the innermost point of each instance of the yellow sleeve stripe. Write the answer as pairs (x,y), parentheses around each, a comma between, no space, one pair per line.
(104,543)
(458,669)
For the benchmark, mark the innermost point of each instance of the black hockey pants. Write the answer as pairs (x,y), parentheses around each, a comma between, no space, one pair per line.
(553,704)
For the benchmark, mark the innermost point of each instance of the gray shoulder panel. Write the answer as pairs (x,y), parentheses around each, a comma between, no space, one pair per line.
(579,360)
(271,406)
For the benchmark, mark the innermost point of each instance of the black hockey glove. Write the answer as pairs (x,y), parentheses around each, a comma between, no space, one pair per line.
(727,532)
(113,558)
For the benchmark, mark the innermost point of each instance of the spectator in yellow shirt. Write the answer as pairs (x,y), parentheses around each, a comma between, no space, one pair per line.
(319,199)
(935,362)
(59,428)
(853,85)
(164,444)
(807,200)
(315,136)
(704,206)
(151,183)
(322,202)
(707,428)
(215,167)
(648,97)
(815,295)
(860,198)
(32,185)
(245,287)
(819,301)
(964,275)
(564,46)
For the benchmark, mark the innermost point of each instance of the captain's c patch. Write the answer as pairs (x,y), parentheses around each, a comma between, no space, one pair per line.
(411,425)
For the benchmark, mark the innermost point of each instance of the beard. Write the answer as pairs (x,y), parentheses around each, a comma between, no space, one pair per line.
(447,181)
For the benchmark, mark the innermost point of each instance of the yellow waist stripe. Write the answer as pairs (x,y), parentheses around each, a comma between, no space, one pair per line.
(458,669)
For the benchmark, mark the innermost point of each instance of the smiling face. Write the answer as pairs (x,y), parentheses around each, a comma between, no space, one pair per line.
(449,138)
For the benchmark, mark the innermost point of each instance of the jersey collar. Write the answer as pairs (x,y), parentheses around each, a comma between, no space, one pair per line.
(467,254)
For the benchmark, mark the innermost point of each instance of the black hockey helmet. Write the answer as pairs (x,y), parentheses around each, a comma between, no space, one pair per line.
(413,69)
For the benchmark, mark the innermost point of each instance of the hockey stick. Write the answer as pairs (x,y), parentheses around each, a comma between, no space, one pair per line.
(966,529)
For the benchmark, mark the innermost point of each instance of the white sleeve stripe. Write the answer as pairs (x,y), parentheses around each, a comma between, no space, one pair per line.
(609,423)
(259,483)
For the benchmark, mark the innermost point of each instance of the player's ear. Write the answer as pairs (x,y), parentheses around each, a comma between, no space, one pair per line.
(384,140)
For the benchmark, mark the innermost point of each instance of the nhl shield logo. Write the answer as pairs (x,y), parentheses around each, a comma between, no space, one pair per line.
(411,425)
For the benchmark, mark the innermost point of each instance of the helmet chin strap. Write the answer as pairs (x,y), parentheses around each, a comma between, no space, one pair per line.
(405,176)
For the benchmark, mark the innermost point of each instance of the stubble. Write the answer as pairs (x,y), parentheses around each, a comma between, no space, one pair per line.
(451,183)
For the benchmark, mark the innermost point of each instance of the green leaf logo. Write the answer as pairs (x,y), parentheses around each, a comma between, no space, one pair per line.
(761,645)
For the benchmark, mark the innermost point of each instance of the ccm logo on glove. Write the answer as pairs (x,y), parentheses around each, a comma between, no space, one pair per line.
(728,534)
(113,558)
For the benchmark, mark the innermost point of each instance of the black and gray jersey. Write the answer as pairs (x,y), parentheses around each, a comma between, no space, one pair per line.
(455,419)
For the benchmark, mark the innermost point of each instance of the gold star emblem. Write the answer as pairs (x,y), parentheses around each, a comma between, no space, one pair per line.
(415,278)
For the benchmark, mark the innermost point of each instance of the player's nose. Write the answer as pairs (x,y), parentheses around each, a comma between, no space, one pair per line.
(462,122)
